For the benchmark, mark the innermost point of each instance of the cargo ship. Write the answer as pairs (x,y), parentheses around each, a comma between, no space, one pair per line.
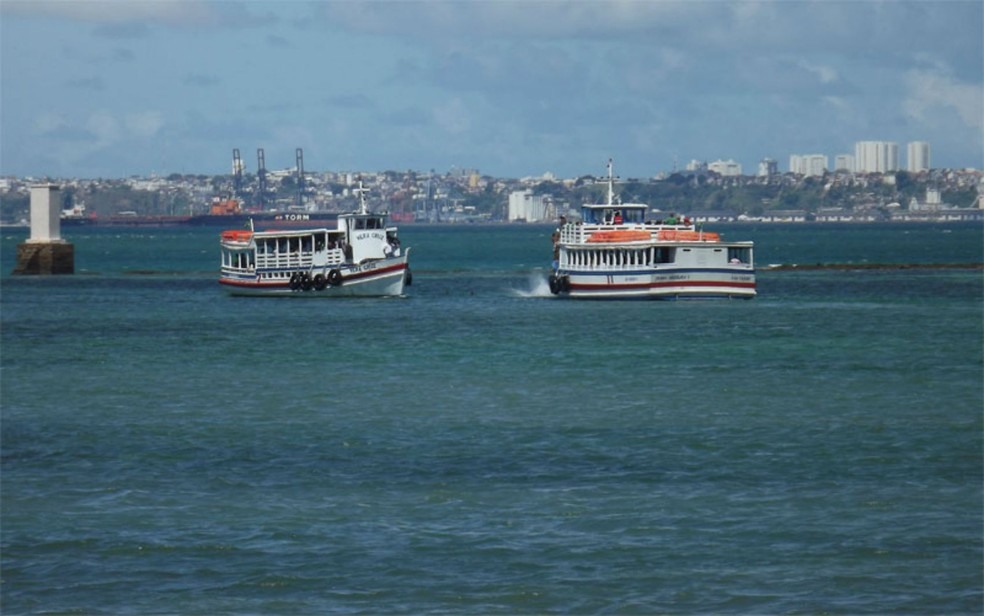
(222,212)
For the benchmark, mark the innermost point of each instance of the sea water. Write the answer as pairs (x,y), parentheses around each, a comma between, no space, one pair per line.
(481,447)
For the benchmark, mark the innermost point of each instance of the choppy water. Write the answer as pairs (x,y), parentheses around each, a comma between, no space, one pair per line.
(479,447)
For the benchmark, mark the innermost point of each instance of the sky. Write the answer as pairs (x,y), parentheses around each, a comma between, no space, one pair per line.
(121,88)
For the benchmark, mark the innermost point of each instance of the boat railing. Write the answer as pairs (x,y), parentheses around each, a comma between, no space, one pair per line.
(296,260)
(578,233)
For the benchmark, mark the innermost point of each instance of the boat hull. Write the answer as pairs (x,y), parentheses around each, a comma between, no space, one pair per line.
(662,284)
(378,278)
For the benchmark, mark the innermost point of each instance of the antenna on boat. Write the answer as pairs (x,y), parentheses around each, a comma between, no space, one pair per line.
(363,206)
(611,184)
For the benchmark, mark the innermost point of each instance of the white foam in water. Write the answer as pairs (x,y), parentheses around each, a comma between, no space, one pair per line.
(538,284)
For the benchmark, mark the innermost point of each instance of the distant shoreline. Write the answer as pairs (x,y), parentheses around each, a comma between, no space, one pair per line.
(873,266)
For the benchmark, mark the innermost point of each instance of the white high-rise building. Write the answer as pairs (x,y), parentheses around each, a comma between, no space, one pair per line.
(876,156)
(808,164)
(768,168)
(524,205)
(844,162)
(917,156)
(725,167)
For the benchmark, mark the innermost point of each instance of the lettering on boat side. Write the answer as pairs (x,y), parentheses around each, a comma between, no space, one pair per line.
(376,235)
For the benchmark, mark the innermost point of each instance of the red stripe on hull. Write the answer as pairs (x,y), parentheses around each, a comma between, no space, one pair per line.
(660,285)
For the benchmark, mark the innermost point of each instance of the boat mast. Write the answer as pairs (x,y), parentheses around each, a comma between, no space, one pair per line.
(611,184)
(363,206)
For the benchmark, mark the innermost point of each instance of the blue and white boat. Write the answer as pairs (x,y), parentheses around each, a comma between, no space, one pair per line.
(620,251)
(360,257)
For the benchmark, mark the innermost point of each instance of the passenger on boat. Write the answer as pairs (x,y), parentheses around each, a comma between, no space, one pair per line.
(618,217)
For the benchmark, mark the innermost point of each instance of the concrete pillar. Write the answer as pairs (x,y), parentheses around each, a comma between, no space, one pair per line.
(45,252)
(45,213)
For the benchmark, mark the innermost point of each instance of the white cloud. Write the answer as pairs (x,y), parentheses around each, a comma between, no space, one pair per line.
(104,127)
(453,116)
(144,124)
(114,12)
(937,92)
(825,74)
(49,123)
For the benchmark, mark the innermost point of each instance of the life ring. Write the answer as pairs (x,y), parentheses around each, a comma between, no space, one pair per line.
(319,282)
(335,278)
(295,281)
(306,282)
(407,277)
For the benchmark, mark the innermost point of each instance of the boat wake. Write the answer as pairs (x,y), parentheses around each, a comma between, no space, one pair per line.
(537,286)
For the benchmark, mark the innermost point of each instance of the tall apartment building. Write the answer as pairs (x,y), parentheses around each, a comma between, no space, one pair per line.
(768,168)
(917,158)
(844,162)
(876,156)
(524,205)
(808,164)
(725,167)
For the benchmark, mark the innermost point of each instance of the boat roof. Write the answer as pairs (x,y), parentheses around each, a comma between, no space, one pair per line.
(616,206)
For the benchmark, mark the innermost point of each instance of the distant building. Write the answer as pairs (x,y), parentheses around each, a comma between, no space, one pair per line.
(876,156)
(917,156)
(933,202)
(727,168)
(524,205)
(768,168)
(808,164)
(844,162)
(696,165)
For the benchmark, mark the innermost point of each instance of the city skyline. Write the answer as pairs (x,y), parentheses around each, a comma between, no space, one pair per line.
(121,88)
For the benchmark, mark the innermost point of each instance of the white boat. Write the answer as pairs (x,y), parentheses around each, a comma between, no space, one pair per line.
(617,251)
(360,257)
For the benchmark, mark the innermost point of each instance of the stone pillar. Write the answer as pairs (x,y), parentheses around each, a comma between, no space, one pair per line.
(45,252)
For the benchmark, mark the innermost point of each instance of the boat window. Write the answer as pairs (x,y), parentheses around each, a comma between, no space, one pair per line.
(306,243)
(360,223)
(665,255)
(282,246)
(739,255)
(319,242)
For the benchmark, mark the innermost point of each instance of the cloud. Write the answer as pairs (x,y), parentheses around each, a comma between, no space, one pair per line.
(122,31)
(104,127)
(453,116)
(278,41)
(115,12)
(930,92)
(128,18)
(144,124)
(825,74)
(88,83)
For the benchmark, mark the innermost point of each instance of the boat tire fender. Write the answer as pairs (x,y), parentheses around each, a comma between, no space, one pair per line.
(554,284)
(306,282)
(319,282)
(295,281)
(407,277)
(335,278)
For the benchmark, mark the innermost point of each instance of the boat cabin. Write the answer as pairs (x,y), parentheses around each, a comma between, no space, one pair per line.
(368,236)
(613,214)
